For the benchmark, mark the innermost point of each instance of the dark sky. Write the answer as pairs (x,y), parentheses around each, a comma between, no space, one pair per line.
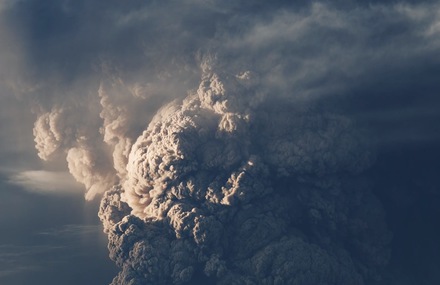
(374,62)
(51,239)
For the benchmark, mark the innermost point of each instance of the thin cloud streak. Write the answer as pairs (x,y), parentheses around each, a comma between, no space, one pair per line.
(46,182)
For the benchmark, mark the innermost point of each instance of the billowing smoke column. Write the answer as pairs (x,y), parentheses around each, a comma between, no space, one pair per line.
(222,189)
(59,132)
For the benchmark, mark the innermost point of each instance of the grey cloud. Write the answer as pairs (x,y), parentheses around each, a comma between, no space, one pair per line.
(62,131)
(306,41)
(304,143)
(208,201)
(49,132)
(87,167)
(119,102)
(326,49)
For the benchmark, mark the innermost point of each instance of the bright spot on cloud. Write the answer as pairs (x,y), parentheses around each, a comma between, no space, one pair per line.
(46,182)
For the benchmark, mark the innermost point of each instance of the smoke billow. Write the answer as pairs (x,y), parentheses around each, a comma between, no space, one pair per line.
(60,133)
(222,186)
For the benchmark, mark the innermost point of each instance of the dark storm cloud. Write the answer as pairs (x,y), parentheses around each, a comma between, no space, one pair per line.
(258,172)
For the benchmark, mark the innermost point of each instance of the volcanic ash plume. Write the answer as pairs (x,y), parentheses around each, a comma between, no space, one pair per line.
(221,189)
(59,132)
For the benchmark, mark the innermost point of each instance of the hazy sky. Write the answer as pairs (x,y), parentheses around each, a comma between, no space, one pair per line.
(310,98)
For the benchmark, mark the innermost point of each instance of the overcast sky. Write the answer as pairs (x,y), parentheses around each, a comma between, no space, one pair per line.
(304,92)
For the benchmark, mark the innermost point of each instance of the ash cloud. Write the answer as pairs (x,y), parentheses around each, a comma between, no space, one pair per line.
(233,142)
(60,132)
(207,195)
